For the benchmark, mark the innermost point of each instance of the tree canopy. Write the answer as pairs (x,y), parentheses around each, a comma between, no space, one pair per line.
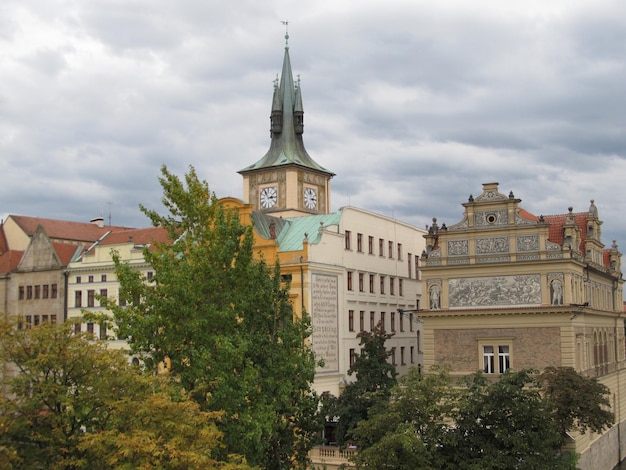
(375,377)
(222,318)
(71,404)
(515,422)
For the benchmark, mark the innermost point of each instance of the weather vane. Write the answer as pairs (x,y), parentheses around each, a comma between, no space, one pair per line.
(286,23)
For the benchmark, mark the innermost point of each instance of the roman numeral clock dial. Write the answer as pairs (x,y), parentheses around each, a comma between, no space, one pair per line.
(269,197)
(310,198)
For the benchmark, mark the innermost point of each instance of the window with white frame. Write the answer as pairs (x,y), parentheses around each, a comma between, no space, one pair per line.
(496,357)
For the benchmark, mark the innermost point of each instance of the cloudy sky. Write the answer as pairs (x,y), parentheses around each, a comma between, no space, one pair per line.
(412,103)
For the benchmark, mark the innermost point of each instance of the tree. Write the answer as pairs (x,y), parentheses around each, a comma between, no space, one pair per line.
(74,404)
(505,425)
(577,402)
(224,321)
(375,377)
(409,430)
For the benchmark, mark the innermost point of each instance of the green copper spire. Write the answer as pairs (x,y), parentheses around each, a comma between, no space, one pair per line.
(287,124)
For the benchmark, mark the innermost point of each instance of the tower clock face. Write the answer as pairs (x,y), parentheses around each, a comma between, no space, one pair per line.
(310,198)
(269,197)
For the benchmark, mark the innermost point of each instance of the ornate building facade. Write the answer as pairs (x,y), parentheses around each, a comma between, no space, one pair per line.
(508,289)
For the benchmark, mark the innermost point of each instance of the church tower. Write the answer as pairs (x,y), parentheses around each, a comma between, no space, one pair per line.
(287,181)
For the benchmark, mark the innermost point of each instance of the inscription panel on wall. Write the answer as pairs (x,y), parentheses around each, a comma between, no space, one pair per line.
(494,291)
(324,320)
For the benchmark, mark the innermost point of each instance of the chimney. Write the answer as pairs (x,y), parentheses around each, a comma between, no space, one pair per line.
(99,221)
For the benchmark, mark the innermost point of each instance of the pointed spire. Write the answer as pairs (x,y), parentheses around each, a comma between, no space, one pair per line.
(286,123)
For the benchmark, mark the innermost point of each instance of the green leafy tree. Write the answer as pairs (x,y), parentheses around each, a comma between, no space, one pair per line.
(505,425)
(375,377)
(74,404)
(409,430)
(577,402)
(223,320)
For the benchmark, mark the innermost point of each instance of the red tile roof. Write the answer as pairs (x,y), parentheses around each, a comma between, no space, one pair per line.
(63,229)
(65,252)
(4,246)
(140,236)
(9,260)
(557,222)
(524,214)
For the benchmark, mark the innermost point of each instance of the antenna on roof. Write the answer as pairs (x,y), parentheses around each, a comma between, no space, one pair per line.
(109,203)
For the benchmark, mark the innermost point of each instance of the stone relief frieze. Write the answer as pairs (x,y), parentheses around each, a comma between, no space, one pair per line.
(435,253)
(458,247)
(551,246)
(519,220)
(491,218)
(555,256)
(490,196)
(462,225)
(495,290)
(528,258)
(485,246)
(458,261)
(528,243)
(493,259)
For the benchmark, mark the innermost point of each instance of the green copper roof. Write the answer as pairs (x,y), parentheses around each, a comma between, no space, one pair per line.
(286,147)
(290,232)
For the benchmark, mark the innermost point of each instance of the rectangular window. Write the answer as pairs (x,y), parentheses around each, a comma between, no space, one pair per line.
(382,284)
(349,280)
(490,366)
(37,292)
(412,354)
(103,332)
(150,275)
(103,278)
(382,320)
(77,328)
(401,318)
(370,246)
(371,283)
(36,320)
(409,260)
(45,291)
(504,359)
(29,321)
(488,360)
(390,249)
(21,293)
(91,278)
(352,356)
(347,236)
(393,356)
(402,355)
(103,293)
(78,298)
(29,292)
(44,319)
(90,328)
(381,247)
(392,286)
(91,295)
(399,251)
(53,319)
(372,321)
(78,280)
(361,282)
(350,320)
(410,321)
(417,271)
(400,288)
(53,291)
(362,320)
(392,319)
(359,242)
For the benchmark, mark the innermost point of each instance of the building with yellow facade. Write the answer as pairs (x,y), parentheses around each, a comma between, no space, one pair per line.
(509,289)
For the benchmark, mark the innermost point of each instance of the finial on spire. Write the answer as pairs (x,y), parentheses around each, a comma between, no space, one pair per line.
(286,23)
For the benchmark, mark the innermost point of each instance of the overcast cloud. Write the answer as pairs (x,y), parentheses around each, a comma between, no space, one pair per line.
(413,104)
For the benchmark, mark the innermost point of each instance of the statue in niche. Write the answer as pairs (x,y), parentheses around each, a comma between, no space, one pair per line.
(557,292)
(435,295)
